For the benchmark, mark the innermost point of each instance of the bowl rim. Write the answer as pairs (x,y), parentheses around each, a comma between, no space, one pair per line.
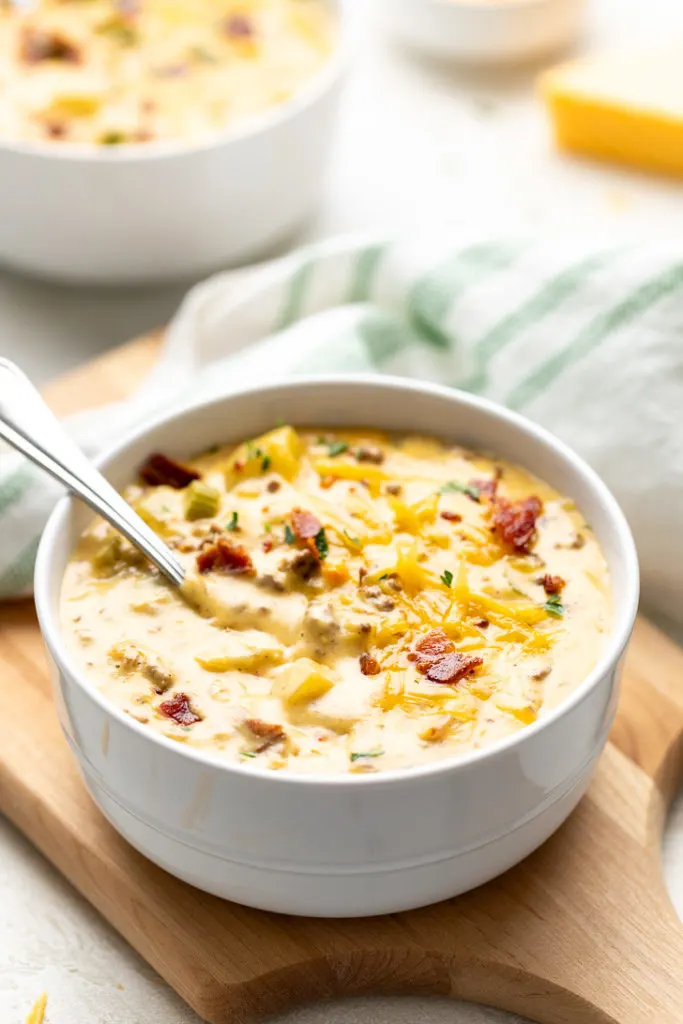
(254,125)
(626,605)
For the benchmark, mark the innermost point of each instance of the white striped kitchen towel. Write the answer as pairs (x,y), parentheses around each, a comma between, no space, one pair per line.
(584,338)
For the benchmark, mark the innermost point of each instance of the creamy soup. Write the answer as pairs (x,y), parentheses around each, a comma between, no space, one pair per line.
(116,71)
(353,602)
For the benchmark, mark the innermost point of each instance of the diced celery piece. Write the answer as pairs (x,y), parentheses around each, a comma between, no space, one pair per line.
(201,500)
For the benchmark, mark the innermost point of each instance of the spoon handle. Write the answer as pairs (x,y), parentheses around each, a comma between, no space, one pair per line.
(27,424)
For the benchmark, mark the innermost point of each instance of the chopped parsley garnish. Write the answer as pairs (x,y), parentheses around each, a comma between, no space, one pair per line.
(247,753)
(337,448)
(112,138)
(265,464)
(253,452)
(289,534)
(321,544)
(354,540)
(384,576)
(554,606)
(446,577)
(234,519)
(166,510)
(358,754)
(457,487)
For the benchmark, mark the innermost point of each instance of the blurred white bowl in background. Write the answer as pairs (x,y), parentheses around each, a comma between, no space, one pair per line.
(483,31)
(166,210)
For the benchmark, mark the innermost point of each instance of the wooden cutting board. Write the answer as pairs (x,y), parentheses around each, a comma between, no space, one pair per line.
(580,933)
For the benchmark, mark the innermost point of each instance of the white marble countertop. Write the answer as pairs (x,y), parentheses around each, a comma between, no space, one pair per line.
(416,144)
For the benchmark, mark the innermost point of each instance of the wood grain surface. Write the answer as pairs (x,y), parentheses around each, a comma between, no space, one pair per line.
(582,932)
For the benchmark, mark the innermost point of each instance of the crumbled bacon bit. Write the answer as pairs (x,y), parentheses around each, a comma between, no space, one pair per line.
(269,732)
(437,658)
(55,129)
(394,489)
(327,482)
(369,666)
(551,584)
(453,667)
(225,557)
(370,453)
(515,522)
(179,709)
(430,648)
(485,488)
(239,26)
(37,45)
(158,470)
(452,517)
(273,486)
(482,623)
(304,524)
(267,544)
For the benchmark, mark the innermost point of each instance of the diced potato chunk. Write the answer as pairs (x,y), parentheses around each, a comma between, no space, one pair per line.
(157,509)
(303,681)
(279,450)
(243,651)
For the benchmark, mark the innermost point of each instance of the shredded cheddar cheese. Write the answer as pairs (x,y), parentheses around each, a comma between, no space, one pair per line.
(353,602)
(37,1014)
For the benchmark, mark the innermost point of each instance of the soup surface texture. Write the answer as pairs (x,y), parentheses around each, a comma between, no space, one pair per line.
(353,602)
(117,71)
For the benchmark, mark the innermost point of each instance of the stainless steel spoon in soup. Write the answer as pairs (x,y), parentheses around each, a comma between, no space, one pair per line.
(27,424)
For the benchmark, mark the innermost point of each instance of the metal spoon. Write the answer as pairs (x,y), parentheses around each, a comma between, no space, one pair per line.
(27,424)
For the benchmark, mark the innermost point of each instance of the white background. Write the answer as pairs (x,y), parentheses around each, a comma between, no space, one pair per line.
(416,144)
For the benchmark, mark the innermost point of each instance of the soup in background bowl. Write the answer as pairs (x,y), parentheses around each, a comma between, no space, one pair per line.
(128,154)
(110,72)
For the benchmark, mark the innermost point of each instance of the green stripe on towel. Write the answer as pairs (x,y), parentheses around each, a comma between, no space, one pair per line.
(592,336)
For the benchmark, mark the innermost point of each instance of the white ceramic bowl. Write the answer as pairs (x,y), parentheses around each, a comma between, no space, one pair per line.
(164,210)
(342,845)
(483,31)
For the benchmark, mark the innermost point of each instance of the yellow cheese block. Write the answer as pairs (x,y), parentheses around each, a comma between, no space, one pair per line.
(625,107)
